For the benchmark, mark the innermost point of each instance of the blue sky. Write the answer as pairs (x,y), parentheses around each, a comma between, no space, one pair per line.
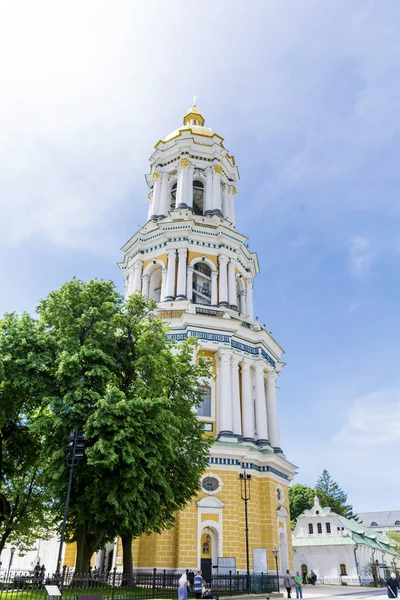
(306,94)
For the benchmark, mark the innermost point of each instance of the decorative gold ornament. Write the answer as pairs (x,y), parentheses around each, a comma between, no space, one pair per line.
(156,175)
(149,197)
(233,190)
(218,169)
(184,162)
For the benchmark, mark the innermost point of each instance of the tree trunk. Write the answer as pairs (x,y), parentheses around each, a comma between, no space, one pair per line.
(83,550)
(127,559)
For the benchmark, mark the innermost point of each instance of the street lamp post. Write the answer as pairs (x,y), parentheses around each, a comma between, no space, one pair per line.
(275,552)
(75,453)
(12,552)
(245,480)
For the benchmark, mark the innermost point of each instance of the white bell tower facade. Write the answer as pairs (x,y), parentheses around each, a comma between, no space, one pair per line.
(192,261)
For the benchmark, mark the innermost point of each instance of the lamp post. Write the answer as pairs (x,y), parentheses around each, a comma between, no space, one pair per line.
(75,453)
(245,480)
(275,552)
(12,552)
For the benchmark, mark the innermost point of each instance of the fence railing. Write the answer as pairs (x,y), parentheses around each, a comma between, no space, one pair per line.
(141,585)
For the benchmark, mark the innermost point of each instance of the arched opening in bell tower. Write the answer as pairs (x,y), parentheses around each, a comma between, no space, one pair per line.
(155,284)
(198,197)
(201,283)
(173,195)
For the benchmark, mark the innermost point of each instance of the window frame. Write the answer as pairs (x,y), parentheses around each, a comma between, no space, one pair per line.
(343,570)
(319,528)
(328,528)
(205,387)
(211,384)
(310,529)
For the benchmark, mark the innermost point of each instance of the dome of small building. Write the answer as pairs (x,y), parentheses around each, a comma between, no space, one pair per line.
(192,121)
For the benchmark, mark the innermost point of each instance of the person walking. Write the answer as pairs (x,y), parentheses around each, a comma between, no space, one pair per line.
(287,582)
(298,580)
(183,585)
(392,585)
(198,584)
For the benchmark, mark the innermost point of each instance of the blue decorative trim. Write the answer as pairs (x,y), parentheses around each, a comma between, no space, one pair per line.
(245,465)
(268,358)
(244,348)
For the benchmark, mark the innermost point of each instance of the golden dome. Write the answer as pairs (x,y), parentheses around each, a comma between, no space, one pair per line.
(193,115)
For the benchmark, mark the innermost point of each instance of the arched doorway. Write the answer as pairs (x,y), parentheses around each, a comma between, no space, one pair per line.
(208,552)
(283,552)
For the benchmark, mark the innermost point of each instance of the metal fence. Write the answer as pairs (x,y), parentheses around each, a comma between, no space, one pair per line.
(141,585)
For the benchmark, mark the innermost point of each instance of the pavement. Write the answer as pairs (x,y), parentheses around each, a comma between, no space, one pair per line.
(340,592)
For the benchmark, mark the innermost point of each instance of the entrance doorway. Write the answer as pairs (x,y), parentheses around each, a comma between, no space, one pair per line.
(206,569)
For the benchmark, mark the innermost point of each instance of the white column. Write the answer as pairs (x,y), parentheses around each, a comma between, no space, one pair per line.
(261,408)
(181,284)
(225,201)
(137,277)
(235,391)
(189,283)
(145,285)
(216,208)
(163,284)
(218,402)
(214,288)
(182,191)
(272,411)
(208,197)
(223,280)
(247,402)
(242,302)
(150,211)
(232,283)
(225,425)
(231,201)
(249,300)
(189,186)
(155,206)
(164,208)
(171,269)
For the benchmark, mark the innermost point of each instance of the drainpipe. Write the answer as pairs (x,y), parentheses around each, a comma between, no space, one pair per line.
(357,566)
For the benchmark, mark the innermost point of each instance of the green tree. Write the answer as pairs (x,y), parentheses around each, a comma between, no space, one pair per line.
(330,494)
(119,380)
(395,538)
(23,357)
(301,498)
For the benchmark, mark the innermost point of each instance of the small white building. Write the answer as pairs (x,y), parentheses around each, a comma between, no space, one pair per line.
(340,550)
(381,521)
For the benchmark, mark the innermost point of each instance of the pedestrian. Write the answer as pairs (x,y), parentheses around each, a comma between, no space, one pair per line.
(183,585)
(42,572)
(313,577)
(304,576)
(198,584)
(287,582)
(392,585)
(37,570)
(297,584)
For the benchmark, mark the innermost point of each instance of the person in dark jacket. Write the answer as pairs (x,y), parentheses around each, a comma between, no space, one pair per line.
(287,582)
(392,585)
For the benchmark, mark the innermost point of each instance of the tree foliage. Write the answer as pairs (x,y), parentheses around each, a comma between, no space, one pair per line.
(330,494)
(119,380)
(23,380)
(301,498)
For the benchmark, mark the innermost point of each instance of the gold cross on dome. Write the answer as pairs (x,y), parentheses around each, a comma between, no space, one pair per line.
(194,99)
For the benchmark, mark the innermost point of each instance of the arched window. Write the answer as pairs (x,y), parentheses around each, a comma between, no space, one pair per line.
(198,197)
(155,284)
(201,283)
(173,195)
(319,527)
(373,524)
(328,528)
(343,570)
(397,523)
(204,409)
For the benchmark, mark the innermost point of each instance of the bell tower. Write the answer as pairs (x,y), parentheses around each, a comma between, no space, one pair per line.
(190,258)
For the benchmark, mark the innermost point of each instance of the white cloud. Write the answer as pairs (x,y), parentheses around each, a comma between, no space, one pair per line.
(373,420)
(361,255)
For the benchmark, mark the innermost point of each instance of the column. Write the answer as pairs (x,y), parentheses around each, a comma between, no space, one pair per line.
(189,283)
(261,408)
(214,288)
(235,391)
(225,201)
(232,284)
(163,284)
(137,276)
(164,207)
(242,302)
(189,185)
(208,205)
(181,284)
(150,211)
(272,411)
(231,201)
(145,285)
(223,280)
(182,192)
(216,186)
(225,412)
(155,206)
(247,402)
(171,269)
(249,302)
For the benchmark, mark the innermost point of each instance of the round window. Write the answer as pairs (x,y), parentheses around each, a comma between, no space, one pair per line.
(210,484)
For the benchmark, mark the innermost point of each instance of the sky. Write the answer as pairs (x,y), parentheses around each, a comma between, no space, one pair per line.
(306,94)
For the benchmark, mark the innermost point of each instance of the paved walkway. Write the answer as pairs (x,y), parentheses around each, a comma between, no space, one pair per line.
(338,592)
